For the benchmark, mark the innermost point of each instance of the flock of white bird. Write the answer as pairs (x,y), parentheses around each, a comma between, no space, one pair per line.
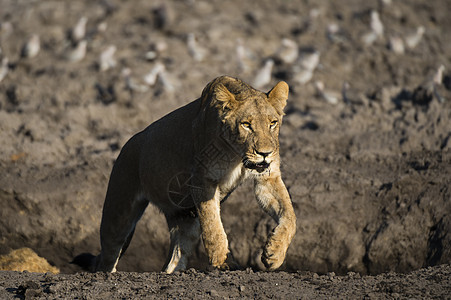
(301,64)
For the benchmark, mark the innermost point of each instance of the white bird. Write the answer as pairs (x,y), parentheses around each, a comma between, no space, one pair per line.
(264,75)
(302,70)
(369,38)
(79,30)
(166,82)
(159,76)
(301,76)
(396,44)
(438,76)
(412,40)
(330,96)
(78,53)
(106,58)
(197,52)
(243,55)
(376,25)
(425,92)
(310,60)
(151,77)
(437,80)
(4,68)
(131,84)
(31,47)
(288,52)
(377,29)
(240,54)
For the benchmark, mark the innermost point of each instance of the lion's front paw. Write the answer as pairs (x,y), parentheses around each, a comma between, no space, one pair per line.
(273,255)
(230,264)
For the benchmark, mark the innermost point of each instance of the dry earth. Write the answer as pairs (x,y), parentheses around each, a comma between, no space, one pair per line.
(367,161)
(430,283)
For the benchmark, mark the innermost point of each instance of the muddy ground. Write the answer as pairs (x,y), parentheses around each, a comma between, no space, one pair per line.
(367,160)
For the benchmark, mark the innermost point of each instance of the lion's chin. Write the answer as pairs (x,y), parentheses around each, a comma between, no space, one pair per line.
(260,167)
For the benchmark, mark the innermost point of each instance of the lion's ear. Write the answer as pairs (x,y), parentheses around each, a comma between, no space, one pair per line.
(225,99)
(278,96)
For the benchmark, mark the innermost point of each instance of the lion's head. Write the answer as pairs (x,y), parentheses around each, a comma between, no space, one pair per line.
(251,118)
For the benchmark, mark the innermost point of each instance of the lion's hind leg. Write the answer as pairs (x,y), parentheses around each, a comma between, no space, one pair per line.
(116,233)
(185,234)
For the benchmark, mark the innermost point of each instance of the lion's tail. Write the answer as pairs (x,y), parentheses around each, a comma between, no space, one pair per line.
(86,261)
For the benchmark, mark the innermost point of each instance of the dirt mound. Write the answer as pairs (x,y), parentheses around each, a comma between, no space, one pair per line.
(365,145)
(25,259)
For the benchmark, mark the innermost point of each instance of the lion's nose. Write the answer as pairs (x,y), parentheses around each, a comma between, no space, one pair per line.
(264,153)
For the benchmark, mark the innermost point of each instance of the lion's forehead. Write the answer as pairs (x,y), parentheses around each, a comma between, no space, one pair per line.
(257,109)
(244,95)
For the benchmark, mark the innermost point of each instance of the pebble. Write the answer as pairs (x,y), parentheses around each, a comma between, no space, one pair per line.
(150,55)
(213,293)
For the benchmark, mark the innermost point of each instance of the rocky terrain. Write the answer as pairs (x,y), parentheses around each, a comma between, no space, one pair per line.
(365,143)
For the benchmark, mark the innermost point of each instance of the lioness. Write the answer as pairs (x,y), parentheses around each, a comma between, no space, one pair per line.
(187,163)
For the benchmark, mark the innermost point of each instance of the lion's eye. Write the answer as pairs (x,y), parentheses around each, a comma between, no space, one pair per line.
(273,124)
(246,125)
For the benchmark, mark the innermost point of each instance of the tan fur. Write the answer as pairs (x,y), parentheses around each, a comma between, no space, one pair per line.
(215,142)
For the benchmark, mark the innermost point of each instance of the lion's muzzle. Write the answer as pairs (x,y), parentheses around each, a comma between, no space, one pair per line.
(259,166)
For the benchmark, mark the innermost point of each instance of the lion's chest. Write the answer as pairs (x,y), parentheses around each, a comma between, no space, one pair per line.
(234,177)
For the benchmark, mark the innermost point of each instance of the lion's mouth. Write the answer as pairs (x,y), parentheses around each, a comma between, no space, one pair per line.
(259,167)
